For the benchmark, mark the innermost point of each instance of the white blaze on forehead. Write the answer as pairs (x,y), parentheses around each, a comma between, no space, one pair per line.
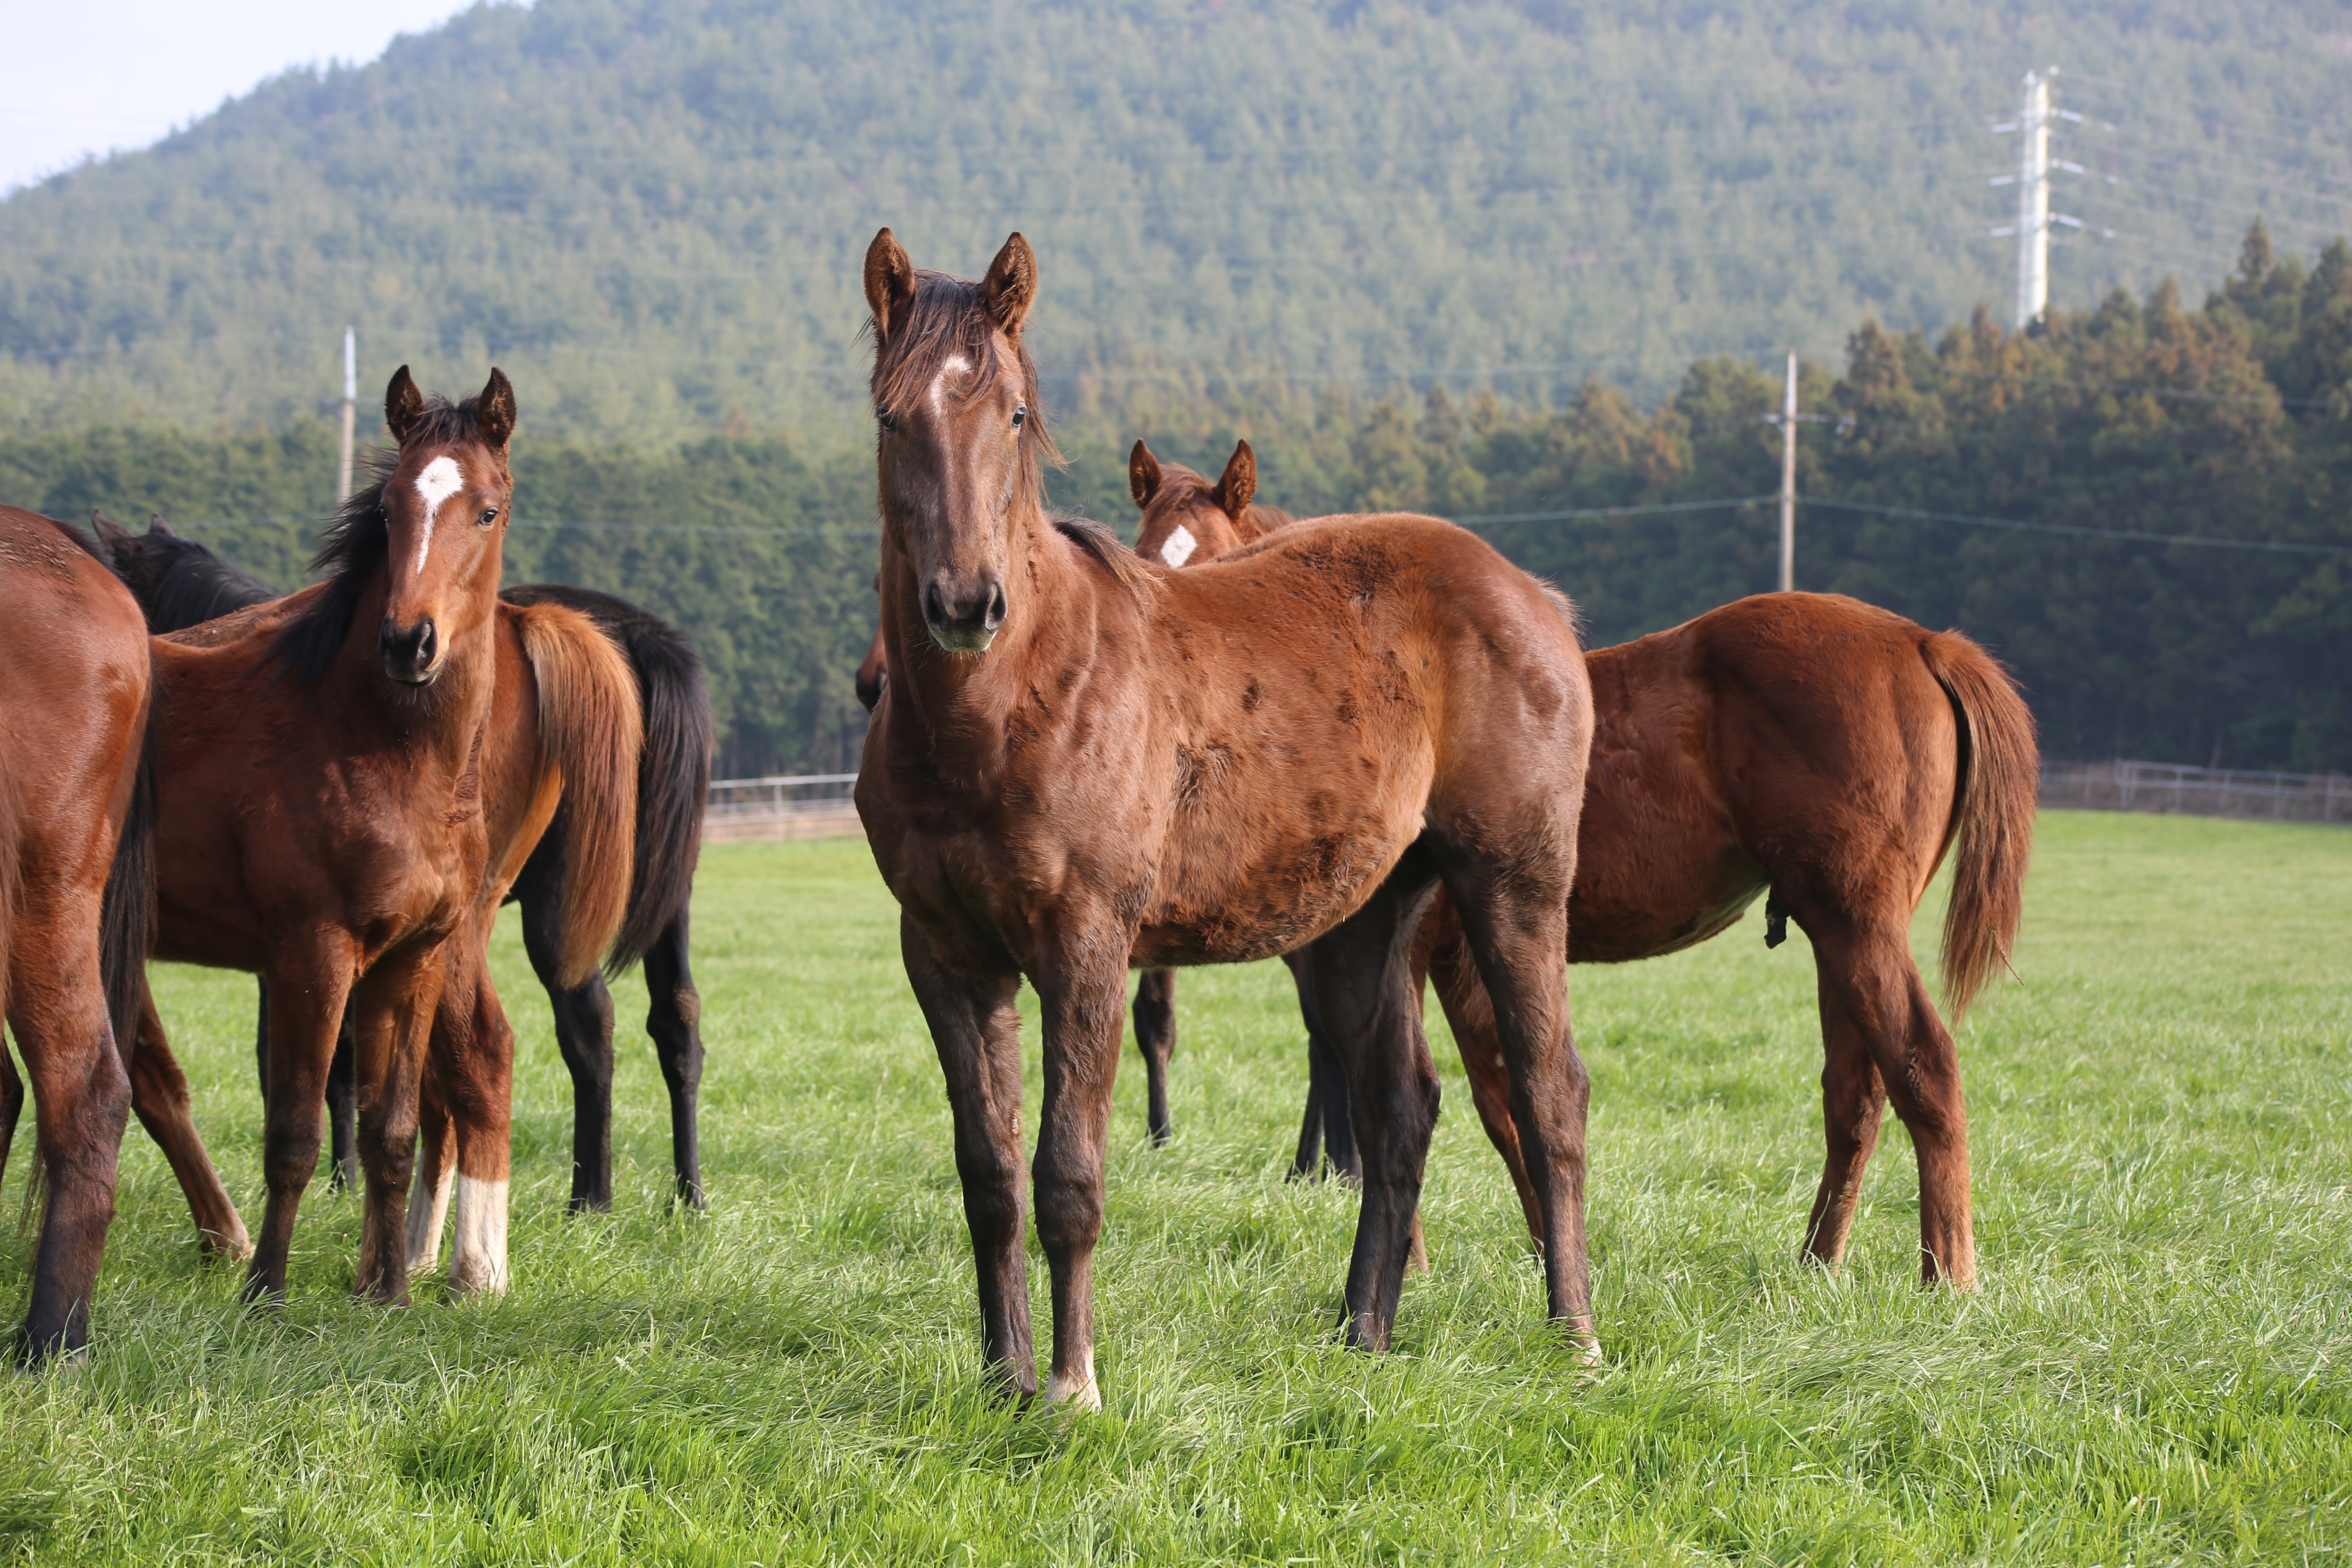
(956,366)
(1180,546)
(438,480)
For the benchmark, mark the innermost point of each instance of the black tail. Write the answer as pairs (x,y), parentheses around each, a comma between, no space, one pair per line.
(674,769)
(126,922)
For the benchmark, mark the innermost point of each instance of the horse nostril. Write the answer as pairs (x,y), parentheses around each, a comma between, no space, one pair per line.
(427,643)
(996,607)
(934,605)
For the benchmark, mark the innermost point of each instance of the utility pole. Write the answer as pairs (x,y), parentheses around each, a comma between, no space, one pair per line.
(350,412)
(1788,419)
(1789,479)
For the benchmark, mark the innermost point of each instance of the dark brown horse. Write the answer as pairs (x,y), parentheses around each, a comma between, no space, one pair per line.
(1084,757)
(76,888)
(340,812)
(182,583)
(1803,744)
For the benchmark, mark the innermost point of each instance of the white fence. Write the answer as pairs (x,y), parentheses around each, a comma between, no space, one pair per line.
(2196,792)
(777,810)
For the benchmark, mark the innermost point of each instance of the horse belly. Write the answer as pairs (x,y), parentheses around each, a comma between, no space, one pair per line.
(1248,874)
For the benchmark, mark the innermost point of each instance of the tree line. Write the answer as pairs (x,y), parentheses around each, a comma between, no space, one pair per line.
(2071,472)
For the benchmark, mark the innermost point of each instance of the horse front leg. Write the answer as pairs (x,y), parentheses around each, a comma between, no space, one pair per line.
(309,982)
(1080,1004)
(976,1026)
(583,1034)
(391,1014)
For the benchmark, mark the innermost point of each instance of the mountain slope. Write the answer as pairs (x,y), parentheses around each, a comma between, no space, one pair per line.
(651,215)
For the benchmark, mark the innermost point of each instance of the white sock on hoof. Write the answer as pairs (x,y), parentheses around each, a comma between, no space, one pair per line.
(1079,1392)
(477,1253)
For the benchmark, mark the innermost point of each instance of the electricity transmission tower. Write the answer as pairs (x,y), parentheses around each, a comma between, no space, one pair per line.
(2032,180)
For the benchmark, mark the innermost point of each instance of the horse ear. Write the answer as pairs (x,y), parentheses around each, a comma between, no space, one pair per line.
(404,405)
(1142,475)
(494,411)
(1238,483)
(110,533)
(889,282)
(158,527)
(1011,286)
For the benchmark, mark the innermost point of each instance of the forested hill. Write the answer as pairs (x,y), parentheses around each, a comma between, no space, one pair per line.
(651,214)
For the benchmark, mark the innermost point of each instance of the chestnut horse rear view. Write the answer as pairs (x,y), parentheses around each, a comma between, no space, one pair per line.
(75,690)
(1083,756)
(1803,743)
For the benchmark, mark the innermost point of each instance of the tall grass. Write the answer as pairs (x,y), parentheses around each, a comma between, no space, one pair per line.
(2154,1370)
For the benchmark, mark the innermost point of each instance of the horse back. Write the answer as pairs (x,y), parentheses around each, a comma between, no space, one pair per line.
(1324,696)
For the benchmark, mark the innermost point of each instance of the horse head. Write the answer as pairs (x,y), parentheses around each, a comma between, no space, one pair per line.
(443,507)
(1186,518)
(961,440)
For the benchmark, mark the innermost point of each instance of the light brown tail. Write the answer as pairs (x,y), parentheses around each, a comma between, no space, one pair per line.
(2000,782)
(591,730)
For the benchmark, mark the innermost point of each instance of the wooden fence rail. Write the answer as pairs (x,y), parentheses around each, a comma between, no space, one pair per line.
(2165,788)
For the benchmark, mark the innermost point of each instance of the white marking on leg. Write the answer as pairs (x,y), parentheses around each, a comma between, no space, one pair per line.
(440,480)
(424,1218)
(1079,1392)
(477,1253)
(1180,546)
(956,366)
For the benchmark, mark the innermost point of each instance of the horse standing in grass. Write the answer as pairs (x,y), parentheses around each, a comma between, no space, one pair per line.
(1805,745)
(183,583)
(1083,758)
(339,812)
(76,888)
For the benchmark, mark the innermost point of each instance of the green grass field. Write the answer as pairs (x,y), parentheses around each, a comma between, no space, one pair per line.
(2154,1371)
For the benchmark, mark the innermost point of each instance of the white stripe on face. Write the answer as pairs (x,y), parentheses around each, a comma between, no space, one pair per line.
(956,366)
(440,480)
(1180,546)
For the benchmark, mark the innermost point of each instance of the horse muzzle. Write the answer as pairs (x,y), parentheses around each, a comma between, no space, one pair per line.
(964,618)
(412,655)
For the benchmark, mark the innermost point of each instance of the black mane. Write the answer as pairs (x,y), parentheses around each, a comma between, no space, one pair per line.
(180,584)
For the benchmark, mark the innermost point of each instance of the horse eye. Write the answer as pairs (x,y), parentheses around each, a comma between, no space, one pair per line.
(489,517)
(889,420)
(1020,416)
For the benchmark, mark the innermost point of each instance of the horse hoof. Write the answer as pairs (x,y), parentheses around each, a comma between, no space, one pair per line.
(1075,1395)
(215,1248)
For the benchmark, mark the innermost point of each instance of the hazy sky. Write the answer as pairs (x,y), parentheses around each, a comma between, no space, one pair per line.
(92,76)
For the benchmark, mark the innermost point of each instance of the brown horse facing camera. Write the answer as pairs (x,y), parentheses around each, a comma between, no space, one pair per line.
(1805,743)
(76,889)
(349,779)
(1082,757)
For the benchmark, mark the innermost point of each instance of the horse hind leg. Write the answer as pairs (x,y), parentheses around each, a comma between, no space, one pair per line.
(81,1102)
(673,1019)
(1854,1100)
(1516,928)
(12,1104)
(1363,992)
(1867,976)
(1471,1015)
(159,1095)
(1155,1039)
(584,1033)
